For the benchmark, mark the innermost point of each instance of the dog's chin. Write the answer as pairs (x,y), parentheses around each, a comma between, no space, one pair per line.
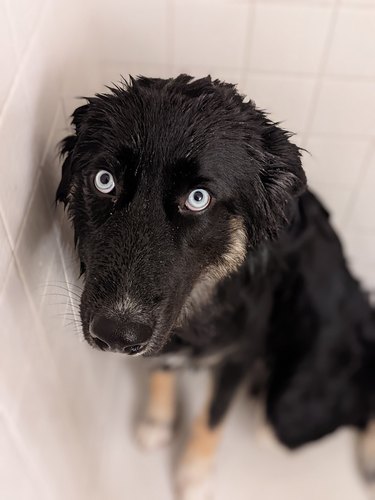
(157,343)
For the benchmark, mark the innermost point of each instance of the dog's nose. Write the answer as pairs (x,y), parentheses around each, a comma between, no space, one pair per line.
(114,335)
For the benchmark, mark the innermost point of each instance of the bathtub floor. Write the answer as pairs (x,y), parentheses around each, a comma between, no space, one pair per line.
(251,465)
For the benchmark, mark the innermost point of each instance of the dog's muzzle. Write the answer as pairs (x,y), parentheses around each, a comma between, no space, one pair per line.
(109,334)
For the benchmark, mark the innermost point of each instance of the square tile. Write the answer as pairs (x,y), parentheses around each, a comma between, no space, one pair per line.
(17,156)
(135,32)
(289,37)
(345,107)
(285,99)
(207,36)
(353,46)
(334,160)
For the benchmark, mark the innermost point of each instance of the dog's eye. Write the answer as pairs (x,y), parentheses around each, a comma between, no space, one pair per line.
(104,181)
(198,200)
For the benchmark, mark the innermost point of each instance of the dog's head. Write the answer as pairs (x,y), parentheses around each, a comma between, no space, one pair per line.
(169,184)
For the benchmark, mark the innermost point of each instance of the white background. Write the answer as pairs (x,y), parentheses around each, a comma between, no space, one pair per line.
(67,412)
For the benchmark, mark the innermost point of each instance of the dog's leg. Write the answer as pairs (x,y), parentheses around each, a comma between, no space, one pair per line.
(156,427)
(366,450)
(194,472)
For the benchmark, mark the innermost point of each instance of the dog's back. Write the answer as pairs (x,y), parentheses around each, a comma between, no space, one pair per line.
(321,343)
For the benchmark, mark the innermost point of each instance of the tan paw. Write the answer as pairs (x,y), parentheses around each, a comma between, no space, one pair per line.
(153,434)
(194,480)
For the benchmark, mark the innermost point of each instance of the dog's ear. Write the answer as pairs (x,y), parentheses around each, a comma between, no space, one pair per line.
(67,146)
(280,179)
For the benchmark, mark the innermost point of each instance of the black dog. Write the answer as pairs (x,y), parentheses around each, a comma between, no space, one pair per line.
(200,244)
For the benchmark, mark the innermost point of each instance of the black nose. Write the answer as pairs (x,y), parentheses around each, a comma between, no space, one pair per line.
(115,335)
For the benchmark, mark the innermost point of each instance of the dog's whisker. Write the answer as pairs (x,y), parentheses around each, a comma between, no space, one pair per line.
(66,284)
(67,295)
(72,292)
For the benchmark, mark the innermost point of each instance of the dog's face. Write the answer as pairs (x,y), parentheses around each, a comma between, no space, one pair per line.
(169,184)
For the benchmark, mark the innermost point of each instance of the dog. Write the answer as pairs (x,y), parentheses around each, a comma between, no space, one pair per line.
(201,245)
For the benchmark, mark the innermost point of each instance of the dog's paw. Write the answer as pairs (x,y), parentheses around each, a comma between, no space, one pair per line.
(153,434)
(194,480)
(199,491)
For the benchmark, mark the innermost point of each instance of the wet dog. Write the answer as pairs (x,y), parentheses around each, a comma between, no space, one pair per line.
(200,244)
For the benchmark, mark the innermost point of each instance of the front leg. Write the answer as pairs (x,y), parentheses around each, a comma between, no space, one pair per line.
(194,472)
(156,426)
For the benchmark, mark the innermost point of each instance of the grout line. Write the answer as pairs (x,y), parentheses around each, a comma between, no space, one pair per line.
(249,38)
(343,135)
(254,72)
(351,4)
(308,75)
(321,71)
(6,229)
(10,243)
(170,34)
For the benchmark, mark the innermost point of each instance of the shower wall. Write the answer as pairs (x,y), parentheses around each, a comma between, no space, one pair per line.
(66,411)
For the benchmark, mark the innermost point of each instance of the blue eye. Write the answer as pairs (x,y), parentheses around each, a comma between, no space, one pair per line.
(104,181)
(198,200)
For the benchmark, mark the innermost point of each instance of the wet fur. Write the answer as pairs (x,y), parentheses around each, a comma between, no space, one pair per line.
(275,290)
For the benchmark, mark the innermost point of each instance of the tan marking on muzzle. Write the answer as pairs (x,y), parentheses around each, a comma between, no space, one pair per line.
(229,262)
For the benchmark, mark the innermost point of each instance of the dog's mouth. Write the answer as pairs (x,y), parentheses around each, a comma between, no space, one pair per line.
(136,350)
(132,350)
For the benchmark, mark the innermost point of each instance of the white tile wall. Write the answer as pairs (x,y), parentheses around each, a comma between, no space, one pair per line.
(289,37)
(336,160)
(23,17)
(353,47)
(8,55)
(66,412)
(345,108)
(222,45)
(288,99)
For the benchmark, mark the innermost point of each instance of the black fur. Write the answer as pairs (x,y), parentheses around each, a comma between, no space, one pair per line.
(290,307)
